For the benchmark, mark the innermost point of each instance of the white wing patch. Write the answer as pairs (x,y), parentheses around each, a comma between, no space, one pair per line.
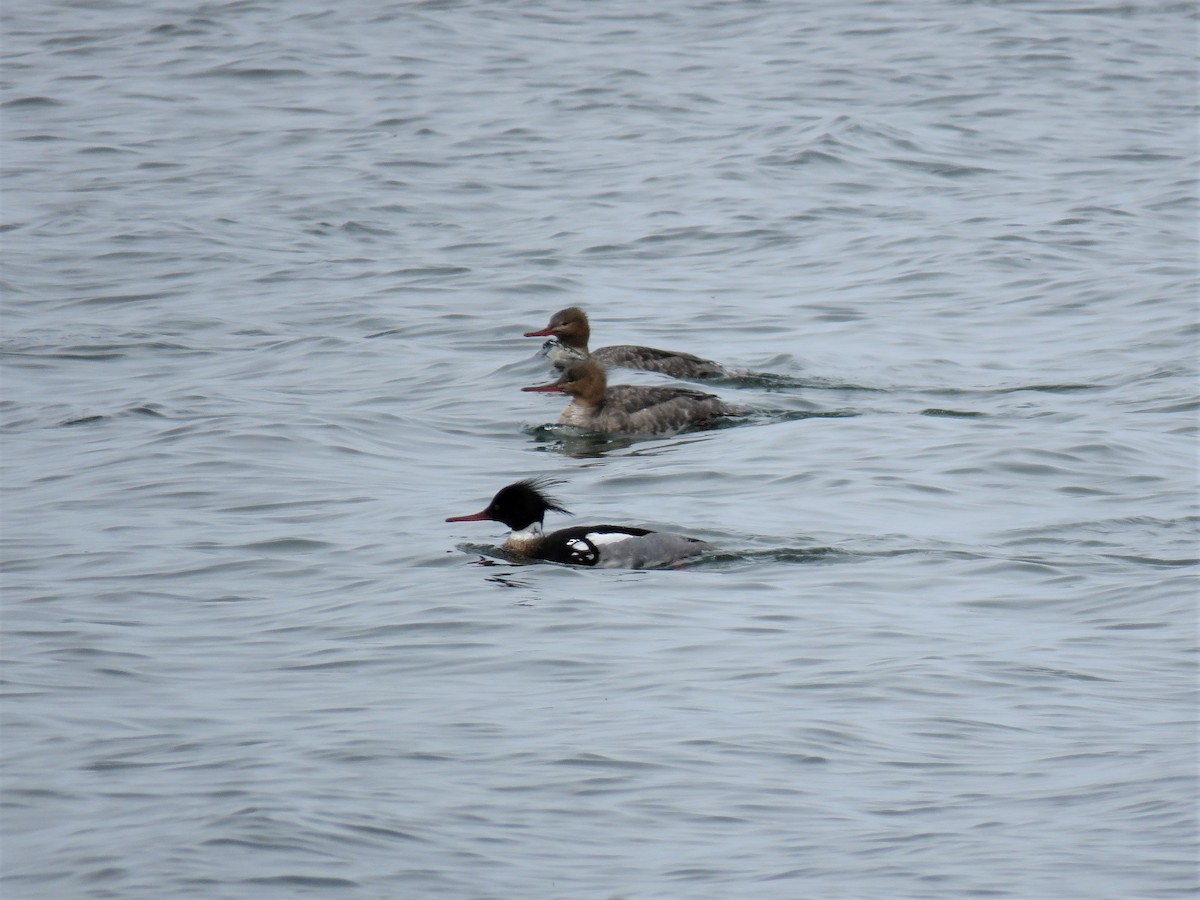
(600,538)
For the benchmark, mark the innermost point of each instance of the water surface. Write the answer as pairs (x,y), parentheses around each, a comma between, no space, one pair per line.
(266,271)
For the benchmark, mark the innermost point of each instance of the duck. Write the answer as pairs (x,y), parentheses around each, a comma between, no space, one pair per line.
(629,408)
(569,331)
(522,506)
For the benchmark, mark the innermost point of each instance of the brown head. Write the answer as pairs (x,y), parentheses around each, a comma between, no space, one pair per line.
(585,381)
(570,326)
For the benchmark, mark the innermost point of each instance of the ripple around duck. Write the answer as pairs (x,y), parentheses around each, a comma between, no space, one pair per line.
(578,443)
(769,381)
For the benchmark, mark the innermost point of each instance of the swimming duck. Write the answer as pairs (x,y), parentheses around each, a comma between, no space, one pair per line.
(570,331)
(629,408)
(523,505)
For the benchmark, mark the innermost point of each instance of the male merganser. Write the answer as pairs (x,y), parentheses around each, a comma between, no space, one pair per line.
(629,408)
(570,327)
(522,506)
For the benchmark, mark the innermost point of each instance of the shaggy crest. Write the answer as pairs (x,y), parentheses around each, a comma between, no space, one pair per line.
(539,485)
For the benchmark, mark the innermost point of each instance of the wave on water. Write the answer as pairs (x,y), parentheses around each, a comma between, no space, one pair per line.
(1050,388)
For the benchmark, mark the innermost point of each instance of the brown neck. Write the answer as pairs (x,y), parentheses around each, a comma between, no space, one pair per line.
(589,390)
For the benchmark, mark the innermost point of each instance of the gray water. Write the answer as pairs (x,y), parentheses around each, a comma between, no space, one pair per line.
(266,270)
